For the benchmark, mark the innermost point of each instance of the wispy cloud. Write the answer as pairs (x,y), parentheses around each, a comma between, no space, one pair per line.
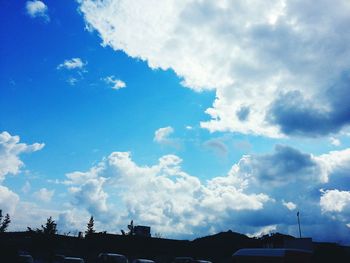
(290,205)
(335,141)
(44,195)
(37,9)
(162,135)
(116,83)
(217,145)
(74,63)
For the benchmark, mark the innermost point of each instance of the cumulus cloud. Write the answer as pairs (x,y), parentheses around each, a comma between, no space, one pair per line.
(30,214)
(10,163)
(8,200)
(116,83)
(335,200)
(10,149)
(44,195)
(71,221)
(37,9)
(268,61)
(258,194)
(161,195)
(334,162)
(74,63)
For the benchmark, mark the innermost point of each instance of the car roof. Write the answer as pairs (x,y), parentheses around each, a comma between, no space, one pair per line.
(112,254)
(72,258)
(268,252)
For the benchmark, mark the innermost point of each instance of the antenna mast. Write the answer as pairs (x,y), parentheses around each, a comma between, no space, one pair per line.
(299,224)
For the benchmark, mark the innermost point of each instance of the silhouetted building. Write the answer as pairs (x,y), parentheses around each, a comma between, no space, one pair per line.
(143,231)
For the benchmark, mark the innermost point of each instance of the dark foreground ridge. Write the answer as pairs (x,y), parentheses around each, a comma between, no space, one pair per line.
(217,248)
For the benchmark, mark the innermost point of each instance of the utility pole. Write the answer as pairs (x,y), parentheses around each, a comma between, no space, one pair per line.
(299,224)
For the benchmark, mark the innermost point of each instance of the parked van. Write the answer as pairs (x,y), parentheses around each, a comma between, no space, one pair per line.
(111,258)
(273,255)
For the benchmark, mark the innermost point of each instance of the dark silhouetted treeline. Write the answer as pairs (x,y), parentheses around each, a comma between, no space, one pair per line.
(216,248)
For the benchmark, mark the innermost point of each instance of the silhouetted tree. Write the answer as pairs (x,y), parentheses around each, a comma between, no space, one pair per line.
(50,228)
(131,229)
(158,235)
(90,227)
(4,223)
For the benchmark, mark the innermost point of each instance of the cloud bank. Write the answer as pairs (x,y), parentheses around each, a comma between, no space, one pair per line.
(11,164)
(259,193)
(278,67)
(10,149)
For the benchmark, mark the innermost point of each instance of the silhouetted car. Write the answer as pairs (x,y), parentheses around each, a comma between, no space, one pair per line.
(141,260)
(111,258)
(73,260)
(25,259)
(271,255)
(183,260)
(202,261)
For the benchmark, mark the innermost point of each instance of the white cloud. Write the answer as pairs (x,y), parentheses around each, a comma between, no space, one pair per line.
(29,214)
(334,141)
(290,205)
(333,162)
(10,149)
(161,195)
(116,83)
(8,200)
(74,63)
(37,9)
(264,231)
(26,187)
(44,195)
(252,53)
(71,221)
(250,198)
(162,134)
(335,200)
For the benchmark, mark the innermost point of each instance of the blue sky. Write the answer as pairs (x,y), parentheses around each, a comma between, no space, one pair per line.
(192,117)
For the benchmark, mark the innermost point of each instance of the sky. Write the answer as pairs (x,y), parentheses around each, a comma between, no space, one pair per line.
(192,117)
